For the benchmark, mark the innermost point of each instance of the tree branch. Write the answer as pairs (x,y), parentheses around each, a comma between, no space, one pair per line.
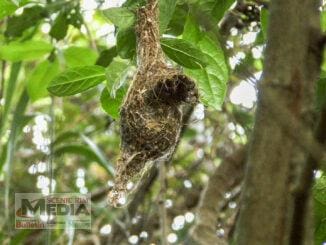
(229,174)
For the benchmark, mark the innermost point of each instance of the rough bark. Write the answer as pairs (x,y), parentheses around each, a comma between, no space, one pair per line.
(276,160)
(226,176)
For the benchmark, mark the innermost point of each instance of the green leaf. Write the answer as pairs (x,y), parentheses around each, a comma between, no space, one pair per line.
(107,56)
(211,89)
(40,79)
(134,3)
(75,17)
(77,80)
(178,20)
(166,12)
(79,56)
(245,119)
(3,156)
(321,93)
(65,136)
(99,154)
(85,151)
(29,18)
(75,149)
(112,96)
(319,190)
(96,154)
(8,7)
(214,9)
(323,20)
(60,26)
(219,8)
(192,32)
(183,52)
(20,236)
(126,43)
(116,75)
(264,21)
(28,50)
(319,193)
(121,17)
(212,48)
(212,79)
(112,105)
(8,95)
(320,233)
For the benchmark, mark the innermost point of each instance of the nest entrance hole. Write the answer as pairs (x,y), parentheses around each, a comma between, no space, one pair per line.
(174,91)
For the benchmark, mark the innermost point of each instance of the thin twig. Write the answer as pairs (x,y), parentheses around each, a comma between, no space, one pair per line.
(162,203)
(90,36)
(227,175)
(16,123)
(3,70)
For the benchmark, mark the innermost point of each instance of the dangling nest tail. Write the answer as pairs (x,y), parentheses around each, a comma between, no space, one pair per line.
(151,116)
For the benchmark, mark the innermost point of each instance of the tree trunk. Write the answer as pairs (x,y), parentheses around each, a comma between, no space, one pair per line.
(276,161)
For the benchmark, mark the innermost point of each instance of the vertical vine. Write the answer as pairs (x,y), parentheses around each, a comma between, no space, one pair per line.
(162,173)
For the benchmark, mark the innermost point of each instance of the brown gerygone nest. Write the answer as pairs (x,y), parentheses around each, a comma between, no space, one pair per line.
(151,115)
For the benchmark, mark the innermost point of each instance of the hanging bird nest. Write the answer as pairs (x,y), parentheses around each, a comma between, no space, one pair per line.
(151,115)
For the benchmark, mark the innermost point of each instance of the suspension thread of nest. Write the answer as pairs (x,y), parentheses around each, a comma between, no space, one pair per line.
(151,115)
(149,52)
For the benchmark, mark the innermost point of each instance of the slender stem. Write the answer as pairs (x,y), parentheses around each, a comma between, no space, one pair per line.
(50,159)
(12,137)
(10,88)
(16,124)
(90,36)
(162,203)
(2,85)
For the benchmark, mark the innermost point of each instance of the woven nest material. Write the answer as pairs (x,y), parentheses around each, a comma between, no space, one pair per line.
(151,115)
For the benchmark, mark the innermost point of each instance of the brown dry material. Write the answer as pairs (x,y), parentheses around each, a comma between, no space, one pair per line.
(151,115)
